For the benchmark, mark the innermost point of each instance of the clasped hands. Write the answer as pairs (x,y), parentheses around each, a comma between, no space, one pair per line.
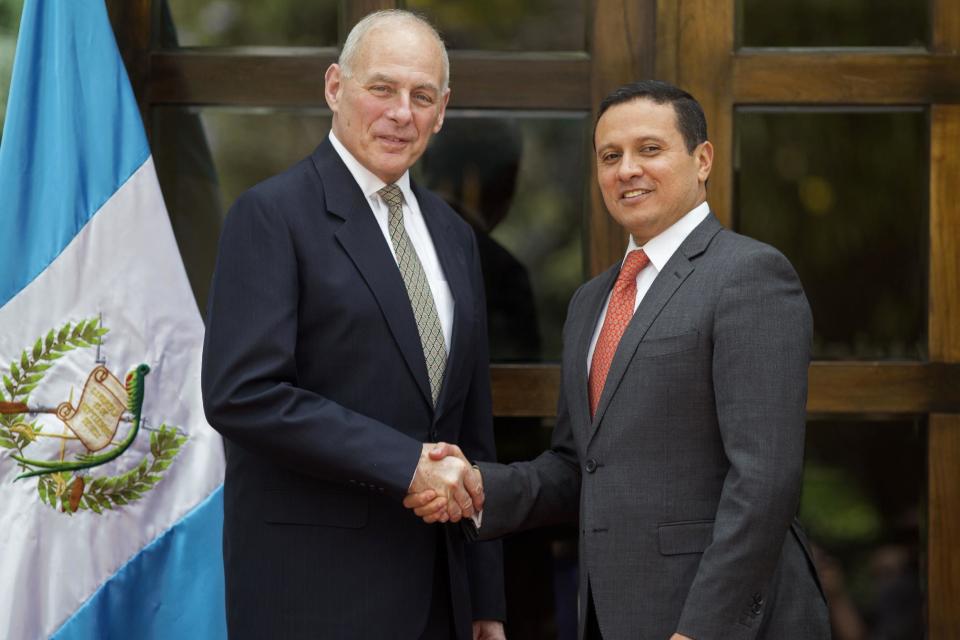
(445,487)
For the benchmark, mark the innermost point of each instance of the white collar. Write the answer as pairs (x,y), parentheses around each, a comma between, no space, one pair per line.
(661,247)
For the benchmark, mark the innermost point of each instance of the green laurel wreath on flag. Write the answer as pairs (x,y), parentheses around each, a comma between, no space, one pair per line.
(72,492)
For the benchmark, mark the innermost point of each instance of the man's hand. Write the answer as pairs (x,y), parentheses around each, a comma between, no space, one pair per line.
(680,636)
(443,485)
(488,630)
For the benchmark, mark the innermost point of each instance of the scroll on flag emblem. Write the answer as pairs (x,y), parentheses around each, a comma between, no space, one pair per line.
(110,478)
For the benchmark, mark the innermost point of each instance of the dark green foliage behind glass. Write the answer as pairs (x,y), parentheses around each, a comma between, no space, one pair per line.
(833,23)
(508,25)
(293,23)
(844,196)
(9,24)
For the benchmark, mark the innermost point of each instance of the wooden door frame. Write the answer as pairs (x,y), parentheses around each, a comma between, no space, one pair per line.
(690,43)
(696,50)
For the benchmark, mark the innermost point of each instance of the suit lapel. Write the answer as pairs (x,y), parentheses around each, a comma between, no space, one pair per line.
(454,265)
(362,239)
(674,273)
(595,294)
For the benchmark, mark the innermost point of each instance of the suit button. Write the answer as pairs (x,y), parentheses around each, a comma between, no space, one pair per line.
(591,465)
(755,609)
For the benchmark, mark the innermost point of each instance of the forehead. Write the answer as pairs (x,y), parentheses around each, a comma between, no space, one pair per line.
(400,47)
(640,118)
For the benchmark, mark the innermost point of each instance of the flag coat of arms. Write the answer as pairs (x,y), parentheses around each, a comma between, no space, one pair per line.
(110,478)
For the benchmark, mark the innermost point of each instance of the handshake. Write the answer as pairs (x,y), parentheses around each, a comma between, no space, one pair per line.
(445,487)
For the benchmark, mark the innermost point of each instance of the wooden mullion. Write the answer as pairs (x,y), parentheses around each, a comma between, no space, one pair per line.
(352,11)
(668,41)
(944,300)
(943,527)
(495,80)
(273,76)
(943,542)
(705,33)
(242,77)
(623,49)
(945,18)
(943,446)
(836,388)
(902,77)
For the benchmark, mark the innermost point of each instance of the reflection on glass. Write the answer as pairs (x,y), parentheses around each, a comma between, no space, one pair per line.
(833,23)
(517,179)
(205,23)
(536,560)
(507,25)
(843,195)
(862,509)
(9,24)
(207,157)
(504,174)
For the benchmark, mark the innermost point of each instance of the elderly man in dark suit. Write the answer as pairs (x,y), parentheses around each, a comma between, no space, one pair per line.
(680,427)
(346,327)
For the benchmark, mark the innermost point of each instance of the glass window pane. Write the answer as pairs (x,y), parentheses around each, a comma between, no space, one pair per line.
(507,25)
(499,170)
(207,157)
(9,24)
(205,23)
(504,174)
(844,196)
(540,565)
(833,23)
(862,507)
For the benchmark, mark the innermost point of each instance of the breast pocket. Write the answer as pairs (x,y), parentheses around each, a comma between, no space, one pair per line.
(670,345)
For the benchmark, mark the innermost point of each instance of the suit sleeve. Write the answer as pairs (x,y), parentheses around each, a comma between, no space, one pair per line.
(539,492)
(249,374)
(484,559)
(762,337)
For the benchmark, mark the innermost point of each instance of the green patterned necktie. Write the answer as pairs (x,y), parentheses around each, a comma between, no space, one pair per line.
(418,290)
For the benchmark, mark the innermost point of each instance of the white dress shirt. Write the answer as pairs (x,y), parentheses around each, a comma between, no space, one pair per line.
(659,249)
(416,228)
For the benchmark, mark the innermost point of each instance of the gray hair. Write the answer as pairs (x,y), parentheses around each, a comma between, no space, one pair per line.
(379,18)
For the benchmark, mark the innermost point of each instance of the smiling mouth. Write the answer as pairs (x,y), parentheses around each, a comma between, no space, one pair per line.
(394,140)
(634,193)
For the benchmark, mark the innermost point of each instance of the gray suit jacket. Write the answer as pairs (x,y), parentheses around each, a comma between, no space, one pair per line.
(689,475)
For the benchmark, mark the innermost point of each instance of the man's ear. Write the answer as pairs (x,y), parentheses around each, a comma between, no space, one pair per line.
(332,85)
(704,156)
(443,110)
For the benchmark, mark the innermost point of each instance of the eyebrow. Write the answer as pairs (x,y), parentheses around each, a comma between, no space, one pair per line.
(382,77)
(637,140)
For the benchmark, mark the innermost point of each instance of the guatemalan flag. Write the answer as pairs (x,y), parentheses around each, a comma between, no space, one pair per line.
(110,479)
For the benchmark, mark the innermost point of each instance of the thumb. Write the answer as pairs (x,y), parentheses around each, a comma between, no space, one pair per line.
(440,451)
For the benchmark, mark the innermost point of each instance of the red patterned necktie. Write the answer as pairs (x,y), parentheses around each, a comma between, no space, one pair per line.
(619,313)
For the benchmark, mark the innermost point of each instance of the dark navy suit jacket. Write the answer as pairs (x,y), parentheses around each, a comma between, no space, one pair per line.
(314,374)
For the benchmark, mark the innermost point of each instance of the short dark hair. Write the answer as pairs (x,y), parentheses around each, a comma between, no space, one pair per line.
(690,119)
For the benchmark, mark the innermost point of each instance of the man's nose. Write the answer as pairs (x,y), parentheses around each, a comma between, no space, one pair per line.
(401,108)
(630,167)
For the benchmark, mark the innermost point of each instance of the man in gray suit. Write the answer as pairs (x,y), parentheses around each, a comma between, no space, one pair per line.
(680,425)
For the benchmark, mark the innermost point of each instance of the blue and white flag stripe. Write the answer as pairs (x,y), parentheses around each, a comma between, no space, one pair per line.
(58,162)
(84,234)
